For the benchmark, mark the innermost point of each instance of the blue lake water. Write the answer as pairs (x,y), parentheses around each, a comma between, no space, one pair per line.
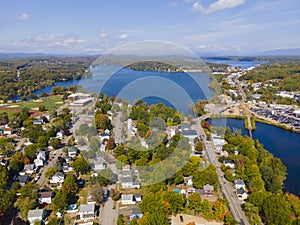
(242,64)
(282,143)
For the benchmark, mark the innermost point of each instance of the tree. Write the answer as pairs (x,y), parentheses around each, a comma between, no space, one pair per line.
(3,176)
(120,220)
(51,171)
(6,146)
(42,108)
(28,198)
(199,146)
(60,201)
(80,165)
(43,142)
(70,185)
(33,132)
(106,177)
(175,201)
(16,163)
(110,143)
(55,143)
(195,202)
(97,193)
(31,150)
(102,121)
(95,144)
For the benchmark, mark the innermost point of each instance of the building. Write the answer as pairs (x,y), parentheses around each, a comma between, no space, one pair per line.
(137,197)
(67,168)
(78,96)
(218,142)
(23,179)
(135,213)
(241,193)
(86,212)
(208,190)
(229,163)
(239,184)
(60,134)
(128,199)
(99,164)
(81,102)
(57,178)
(45,197)
(72,152)
(7,131)
(40,159)
(29,168)
(36,215)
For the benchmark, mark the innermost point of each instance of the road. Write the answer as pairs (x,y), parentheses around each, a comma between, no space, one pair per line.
(108,215)
(226,187)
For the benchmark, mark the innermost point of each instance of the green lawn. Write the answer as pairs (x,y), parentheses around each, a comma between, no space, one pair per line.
(51,103)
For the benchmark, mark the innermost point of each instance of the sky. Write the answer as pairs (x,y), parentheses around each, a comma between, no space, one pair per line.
(97,26)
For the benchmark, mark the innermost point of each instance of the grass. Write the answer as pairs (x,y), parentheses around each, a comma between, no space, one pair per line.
(51,103)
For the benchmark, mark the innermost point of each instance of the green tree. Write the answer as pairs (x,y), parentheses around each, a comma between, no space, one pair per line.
(33,132)
(51,171)
(60,201)
(120,220)
(97,193)
(55,143)
(106,177)
(3,176)
(95,143)
(175,201)
(43,142)
(6,146)
(80,165)
(31,150)
(70,185)
(102,121)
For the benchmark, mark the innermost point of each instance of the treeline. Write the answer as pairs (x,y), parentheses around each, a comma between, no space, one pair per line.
(37,73)
(264,176)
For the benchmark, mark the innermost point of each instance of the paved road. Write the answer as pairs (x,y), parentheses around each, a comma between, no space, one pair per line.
(108,215)
(226,187)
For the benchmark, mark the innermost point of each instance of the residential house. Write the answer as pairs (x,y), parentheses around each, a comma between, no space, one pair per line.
(127,182)
(104,136)
(239,184)
(229,163)
(86,212)
(67,168)
(40,159)
(191,190)
(4,162)
(60,134)
(218,142)
(90,199)
(99,164)
(188,181)
(29,168)
(37,122)
(135,213)
(23,179)
(36,215)
(72,152)
(241,193)
(45,197)
(137,197)
(7,131)
(128,199)
(57,178)
(208,190)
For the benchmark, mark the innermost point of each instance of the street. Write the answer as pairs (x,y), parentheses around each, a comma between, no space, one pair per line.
(108,215)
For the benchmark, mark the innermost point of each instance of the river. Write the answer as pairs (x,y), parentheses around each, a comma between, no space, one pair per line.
(282,143)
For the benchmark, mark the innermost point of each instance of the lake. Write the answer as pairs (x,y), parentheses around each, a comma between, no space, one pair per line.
(282,143)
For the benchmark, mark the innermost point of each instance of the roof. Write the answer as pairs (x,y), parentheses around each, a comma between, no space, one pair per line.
(240,191)
(87,208)
(189,133)
(241,182)
(228,161)
(35,213)
(46,194)
(59,174)
(208,187)
(29,167)
(126,179)
(135,210)
(23,179)
(72,149)
(127,197)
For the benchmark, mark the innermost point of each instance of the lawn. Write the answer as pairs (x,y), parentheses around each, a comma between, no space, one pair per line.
(51,103)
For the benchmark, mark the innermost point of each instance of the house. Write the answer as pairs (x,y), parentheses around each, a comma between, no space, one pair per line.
(86,212)
(229,163)
(127,182)
(99,164)
(188,181)
(29,168)
(191,190)
(208,190)
(36,215)
(128,199)
(104,137)
(41,155)
(241,193)
(4,162)
(60,134)
(126,168)
(40,159)
(59,177)
(45,197)
(239,184)
(137,197)
(135,213)
(7,131)
(90,199)
(37,122)
(72,152)
(23,179)
(67,167)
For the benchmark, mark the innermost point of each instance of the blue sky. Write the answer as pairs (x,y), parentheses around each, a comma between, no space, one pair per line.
(95,26)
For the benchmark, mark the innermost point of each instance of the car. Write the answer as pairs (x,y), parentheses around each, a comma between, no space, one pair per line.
(37,178)
(181,219)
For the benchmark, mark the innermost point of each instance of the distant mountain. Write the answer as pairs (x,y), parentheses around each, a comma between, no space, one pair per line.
(29,55)
(282,52)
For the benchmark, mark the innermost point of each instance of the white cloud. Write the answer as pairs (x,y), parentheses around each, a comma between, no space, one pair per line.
(121,36)
(24,16)
(216,6)
(175,3)
(103,33)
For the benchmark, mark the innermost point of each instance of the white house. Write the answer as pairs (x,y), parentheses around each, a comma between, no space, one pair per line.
(60,134)
(128,183)
(229,163)
(29,168)
(99,164)
(208,190)
(241,193)
(137,197)
(40,159)
(36,215)
(72,152)
(45,197)
(128,199)
(67,167)
(104,136)
(7,131)
(190,181)
(86,212)
(238,184)
(59,177)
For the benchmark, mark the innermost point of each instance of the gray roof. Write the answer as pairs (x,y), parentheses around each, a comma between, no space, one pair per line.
(208,187)
(127,197)
(87,208)
(189,133)
(240,182)
(23,179)
(35,213)
(240,191)
(135,211)
(127,180)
